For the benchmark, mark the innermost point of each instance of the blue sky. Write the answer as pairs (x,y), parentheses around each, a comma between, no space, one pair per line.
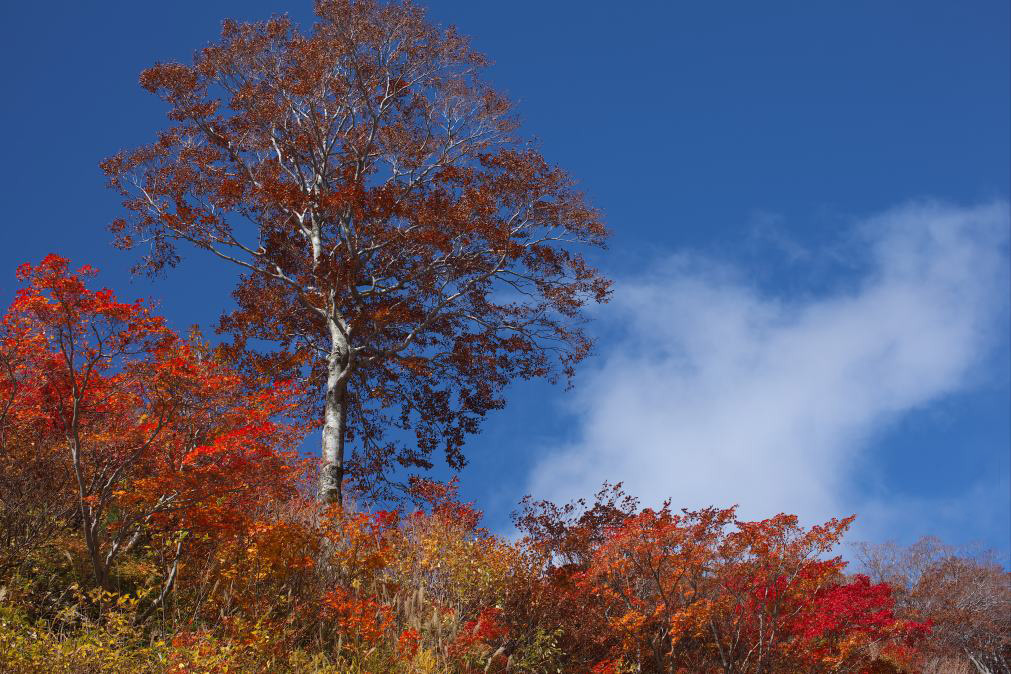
(809,207)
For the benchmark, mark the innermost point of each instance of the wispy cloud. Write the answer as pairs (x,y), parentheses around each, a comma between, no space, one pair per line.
(715,392)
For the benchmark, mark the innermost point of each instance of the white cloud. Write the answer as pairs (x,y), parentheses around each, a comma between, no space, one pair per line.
(714,392)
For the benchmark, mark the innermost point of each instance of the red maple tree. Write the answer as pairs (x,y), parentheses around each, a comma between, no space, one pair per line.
(141,426)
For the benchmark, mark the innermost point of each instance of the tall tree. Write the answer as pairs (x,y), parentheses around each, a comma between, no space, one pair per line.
(405,250)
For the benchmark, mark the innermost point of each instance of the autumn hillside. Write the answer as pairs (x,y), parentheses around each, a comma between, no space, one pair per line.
(155,518)
(262,499)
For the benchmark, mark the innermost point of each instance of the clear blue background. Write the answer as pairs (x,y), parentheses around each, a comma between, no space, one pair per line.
(686,122)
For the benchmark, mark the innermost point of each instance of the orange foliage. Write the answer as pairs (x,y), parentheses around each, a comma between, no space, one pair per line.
(181,477)
(702,591)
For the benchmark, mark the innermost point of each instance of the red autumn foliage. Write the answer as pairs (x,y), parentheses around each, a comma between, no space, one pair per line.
(963,594)
(136,420)
(406,251)
(161,456)
(701,591)
(408,255)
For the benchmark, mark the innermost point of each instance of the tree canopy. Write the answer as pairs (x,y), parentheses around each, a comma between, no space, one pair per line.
(406,251)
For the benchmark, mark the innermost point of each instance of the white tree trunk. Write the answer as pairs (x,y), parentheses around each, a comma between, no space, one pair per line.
(334,417)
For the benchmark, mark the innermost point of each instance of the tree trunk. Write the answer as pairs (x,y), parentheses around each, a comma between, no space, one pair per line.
(89,521)
(977,663)
(334,417)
